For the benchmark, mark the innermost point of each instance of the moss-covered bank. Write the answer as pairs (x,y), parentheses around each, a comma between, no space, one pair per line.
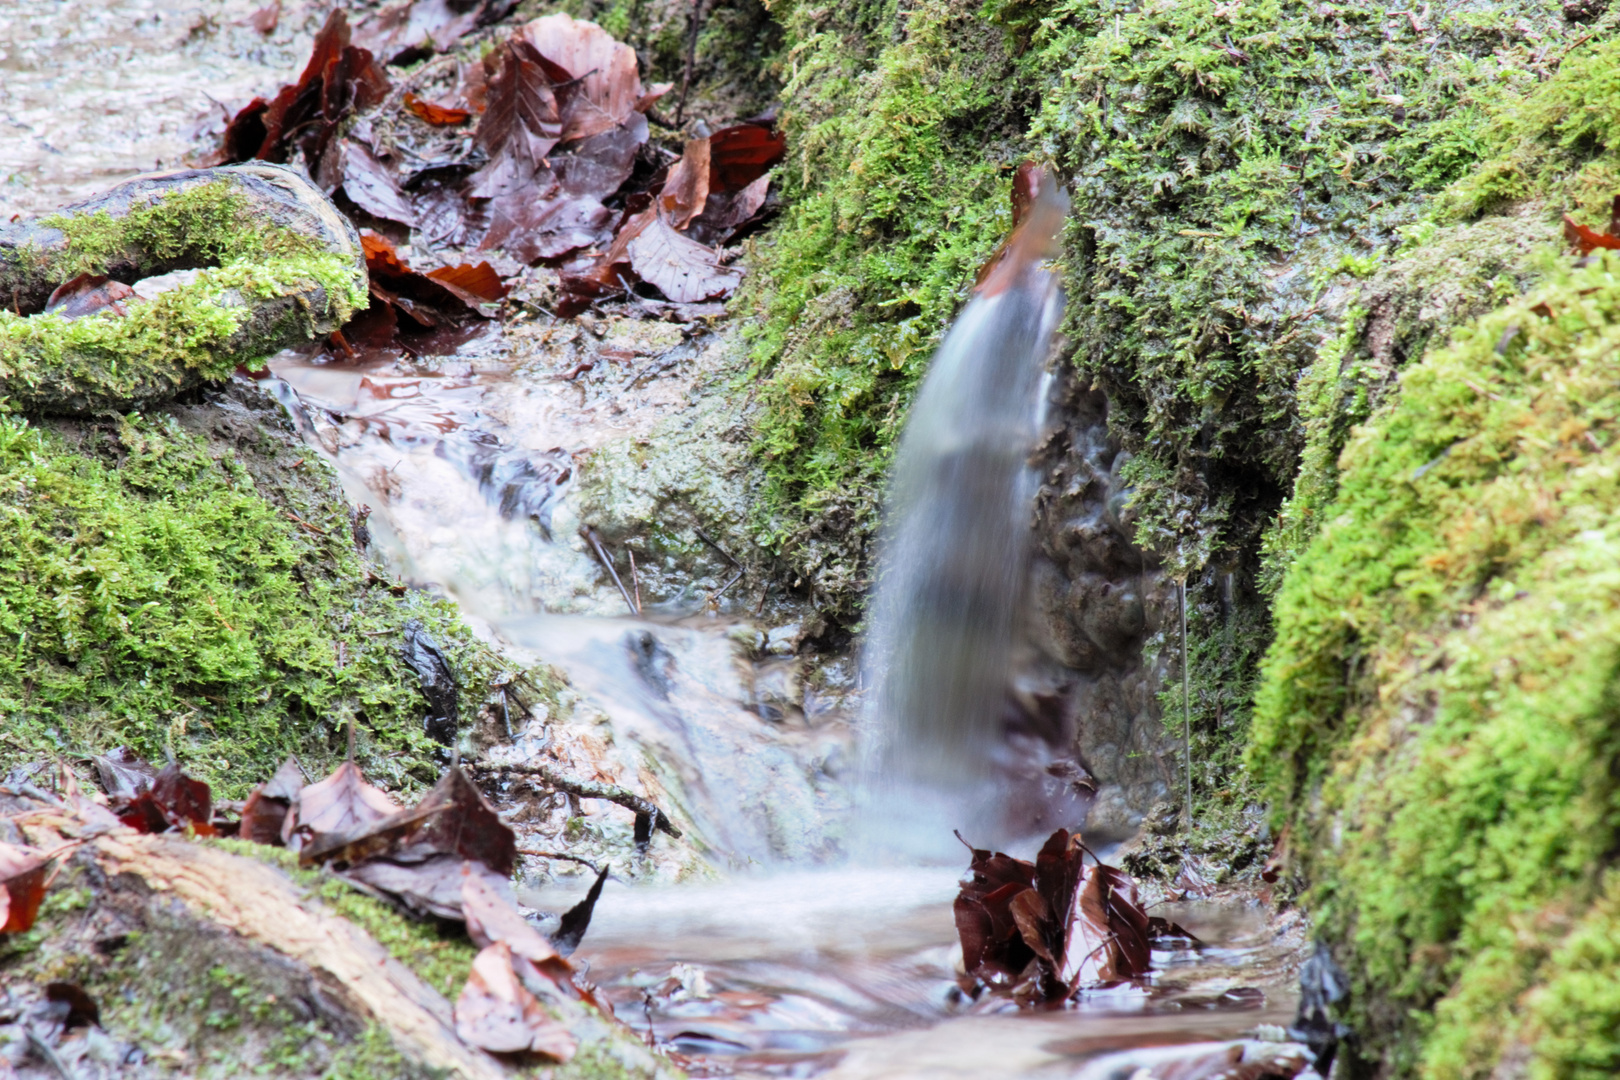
(186,581)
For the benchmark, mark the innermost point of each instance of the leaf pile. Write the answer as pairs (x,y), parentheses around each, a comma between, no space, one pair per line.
(408,307)
(559,171)
(1042,931)
(449,857)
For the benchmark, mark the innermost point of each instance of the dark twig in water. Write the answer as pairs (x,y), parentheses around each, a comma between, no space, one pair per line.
(589,789)
(595,541)
(724,554)
(734,579)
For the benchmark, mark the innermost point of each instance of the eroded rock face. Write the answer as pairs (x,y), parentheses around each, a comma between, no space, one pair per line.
(1096,600)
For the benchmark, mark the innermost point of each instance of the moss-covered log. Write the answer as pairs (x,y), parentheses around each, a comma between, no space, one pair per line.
(278,265)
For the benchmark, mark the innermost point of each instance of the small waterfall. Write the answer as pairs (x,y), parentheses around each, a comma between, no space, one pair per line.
(956,545)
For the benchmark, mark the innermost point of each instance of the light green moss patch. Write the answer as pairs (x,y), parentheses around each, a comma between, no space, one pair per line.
(1438,713)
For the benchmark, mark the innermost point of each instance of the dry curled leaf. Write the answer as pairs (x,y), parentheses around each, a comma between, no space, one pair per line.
(497,1013)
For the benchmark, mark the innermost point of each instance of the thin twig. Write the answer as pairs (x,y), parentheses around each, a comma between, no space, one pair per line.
(634,580)
(43,1049)
(1186,702)
(691,59)
(589,789)
(595,541)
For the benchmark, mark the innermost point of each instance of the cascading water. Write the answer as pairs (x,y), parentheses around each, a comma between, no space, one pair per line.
(955,552)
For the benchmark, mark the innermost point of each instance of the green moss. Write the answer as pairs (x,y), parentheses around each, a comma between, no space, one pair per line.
(154,598)
(903,125)
(204,328)
(1438,711)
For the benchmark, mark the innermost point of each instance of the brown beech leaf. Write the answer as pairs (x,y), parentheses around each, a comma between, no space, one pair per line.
(444,215)
(371,184)
(432,886)
(491,918)
(338,80)
(725,213)
(599,165)
(532,229)
(686,189)
(464,824)
(339,804)
(497,1013)
(1107,935)
(436,114)
(265,811)
(520,125)
(608,87)
(654,92)
(123,774)
(174,801)
(742,154)
(22,887)
(446,295)
(88,294)
(682,269)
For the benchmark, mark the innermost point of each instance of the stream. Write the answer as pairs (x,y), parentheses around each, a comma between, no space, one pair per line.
(791,934)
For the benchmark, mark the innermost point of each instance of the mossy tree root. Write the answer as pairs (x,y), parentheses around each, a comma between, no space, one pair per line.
(277,264)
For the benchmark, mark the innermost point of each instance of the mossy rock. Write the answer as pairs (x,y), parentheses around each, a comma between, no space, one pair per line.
(279,265)
(1438,716)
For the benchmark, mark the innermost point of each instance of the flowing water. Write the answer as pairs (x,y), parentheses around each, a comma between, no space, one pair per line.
(799,941)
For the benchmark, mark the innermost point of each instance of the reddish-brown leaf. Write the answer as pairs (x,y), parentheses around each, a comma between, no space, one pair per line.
(22,887)
(436,114)
(432,886)
(339,804)
(88,294)
(608,87)
(682,269)
(174,801)
(490,918)
(265,811)
(1106,939)
(598,166)
(520,125)
(496,1013)
(654,92)
(473,284)
(1586,240)
(686,189)
(726,213)
(372,184)
(464,824)
(410,29)
(530,229)
(740,155)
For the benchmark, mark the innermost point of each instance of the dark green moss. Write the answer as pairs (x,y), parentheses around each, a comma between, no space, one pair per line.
(154,597)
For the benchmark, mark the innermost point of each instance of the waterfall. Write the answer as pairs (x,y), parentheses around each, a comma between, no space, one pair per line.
(955,549)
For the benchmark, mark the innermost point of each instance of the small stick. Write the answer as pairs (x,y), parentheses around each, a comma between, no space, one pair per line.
(734,579)
(589,789)
(691,58)
(634,580)
(595,541)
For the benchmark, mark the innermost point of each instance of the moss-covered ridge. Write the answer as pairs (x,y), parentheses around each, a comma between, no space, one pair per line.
(201,598)
(1439,709)
(277,265)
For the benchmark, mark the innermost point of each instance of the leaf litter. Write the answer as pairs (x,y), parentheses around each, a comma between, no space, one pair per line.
(450,857)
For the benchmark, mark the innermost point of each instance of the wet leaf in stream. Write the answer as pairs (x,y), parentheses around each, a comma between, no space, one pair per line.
(371,183)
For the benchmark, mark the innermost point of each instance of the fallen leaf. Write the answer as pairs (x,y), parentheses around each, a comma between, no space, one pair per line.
(22,887)
(532,229)
(654,92)
(430,887)
(686,189)
(371,184)
(174,801)
(303,116)
(80,1009)
(409,30)
(445,296)
(1586,240)
(88,294)
(473,284)
(742,154)
(436,114)
(682,269)
(1107,933)
(463,824)
(496,1013)
(599,165)
(339,804)
(123,774)
(520,125)
(725,214)
(265,811)
(608,85)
